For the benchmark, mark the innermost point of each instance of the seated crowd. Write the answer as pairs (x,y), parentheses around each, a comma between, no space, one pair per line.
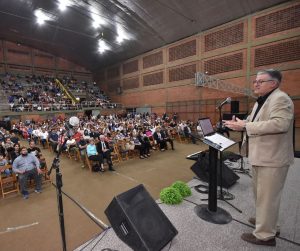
(95,139)
(41,93)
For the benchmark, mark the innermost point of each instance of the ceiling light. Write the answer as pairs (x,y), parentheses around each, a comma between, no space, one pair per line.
(97,19)
(63,4)
(122,35)
(42,16)
(103,46)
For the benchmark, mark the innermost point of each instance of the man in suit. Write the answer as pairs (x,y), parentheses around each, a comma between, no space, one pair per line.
(269,130)
(103,148)
(158,137)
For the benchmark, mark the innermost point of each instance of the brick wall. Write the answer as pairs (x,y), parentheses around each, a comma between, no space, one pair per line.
(19,59)
(232,52)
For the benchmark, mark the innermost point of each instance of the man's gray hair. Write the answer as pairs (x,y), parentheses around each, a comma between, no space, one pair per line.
(274,74)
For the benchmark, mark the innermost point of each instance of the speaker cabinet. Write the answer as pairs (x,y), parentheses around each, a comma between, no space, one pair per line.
(201,169)
(235,106)
(138,221)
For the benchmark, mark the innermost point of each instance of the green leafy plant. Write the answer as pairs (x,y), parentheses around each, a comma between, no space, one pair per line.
(170,195)
(182,188)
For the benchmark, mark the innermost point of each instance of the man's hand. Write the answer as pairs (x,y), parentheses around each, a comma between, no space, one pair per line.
(39,171)
(235,124)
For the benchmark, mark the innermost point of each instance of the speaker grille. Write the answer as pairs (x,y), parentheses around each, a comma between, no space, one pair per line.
(138,220)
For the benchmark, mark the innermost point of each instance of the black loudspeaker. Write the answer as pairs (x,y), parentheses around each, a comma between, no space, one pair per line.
(138,220)
(201,169)
(235,106)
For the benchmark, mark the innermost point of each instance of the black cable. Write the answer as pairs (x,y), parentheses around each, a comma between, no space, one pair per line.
(97,221)
(170,245)
(99,239)
(91,240)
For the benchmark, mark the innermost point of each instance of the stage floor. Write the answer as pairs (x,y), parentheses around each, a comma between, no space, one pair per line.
(197,234)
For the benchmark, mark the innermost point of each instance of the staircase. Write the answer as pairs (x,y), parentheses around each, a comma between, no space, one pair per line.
(66,91)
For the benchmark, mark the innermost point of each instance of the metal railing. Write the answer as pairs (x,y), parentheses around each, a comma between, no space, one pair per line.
(203,80)
(57,106)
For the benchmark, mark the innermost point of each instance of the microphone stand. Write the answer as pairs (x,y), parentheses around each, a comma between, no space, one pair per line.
(59,184)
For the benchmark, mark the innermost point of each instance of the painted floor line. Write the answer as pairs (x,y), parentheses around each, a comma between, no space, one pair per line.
(11,229)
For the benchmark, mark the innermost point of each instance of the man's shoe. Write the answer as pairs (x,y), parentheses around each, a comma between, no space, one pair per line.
(252,221)
(25,196)
(111,169)
(38,191)
(249,237)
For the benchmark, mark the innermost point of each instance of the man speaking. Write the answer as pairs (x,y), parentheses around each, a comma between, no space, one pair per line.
(269,130)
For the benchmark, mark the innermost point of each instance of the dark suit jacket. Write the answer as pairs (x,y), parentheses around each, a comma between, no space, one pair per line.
(99,146)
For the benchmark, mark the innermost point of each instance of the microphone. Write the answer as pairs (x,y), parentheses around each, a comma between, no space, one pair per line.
(226,101)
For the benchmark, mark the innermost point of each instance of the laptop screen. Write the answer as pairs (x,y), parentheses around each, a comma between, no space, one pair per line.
(206,126)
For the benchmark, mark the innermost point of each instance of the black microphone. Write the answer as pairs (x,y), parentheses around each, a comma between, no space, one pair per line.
(226,101)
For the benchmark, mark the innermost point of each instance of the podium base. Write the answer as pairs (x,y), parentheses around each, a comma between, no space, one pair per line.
(221,216)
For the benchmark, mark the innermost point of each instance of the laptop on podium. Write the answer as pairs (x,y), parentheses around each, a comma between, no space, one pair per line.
(212,138)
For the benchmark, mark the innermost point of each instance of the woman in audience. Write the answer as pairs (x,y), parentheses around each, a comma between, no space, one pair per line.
(93,155)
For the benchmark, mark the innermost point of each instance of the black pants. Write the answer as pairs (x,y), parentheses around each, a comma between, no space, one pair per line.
(162,144)
(106,155)
(171,142)
(98,158)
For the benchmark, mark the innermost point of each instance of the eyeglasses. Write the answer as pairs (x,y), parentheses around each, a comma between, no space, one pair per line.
(261,81)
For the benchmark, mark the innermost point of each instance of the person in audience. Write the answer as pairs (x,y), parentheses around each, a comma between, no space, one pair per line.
(43,137)
(3,163)
(93,154)
(71,144)
(14,138)
(53,140)
(103,148)
(144,145)
(82,144)
(188,132)
(33,149)
(94,134)
(2,150)
(14,154)
(166,136)
(8,146)
(158,137)
(35,134)
(26,166)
